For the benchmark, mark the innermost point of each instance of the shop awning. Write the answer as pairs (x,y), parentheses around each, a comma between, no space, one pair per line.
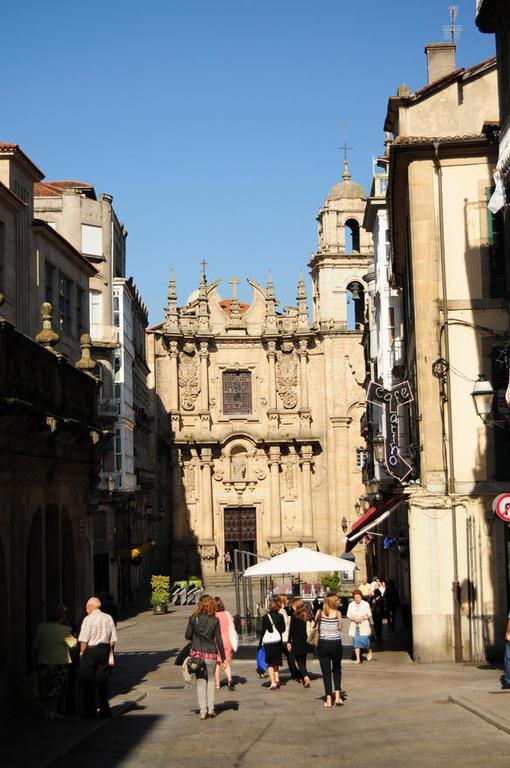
(372,518)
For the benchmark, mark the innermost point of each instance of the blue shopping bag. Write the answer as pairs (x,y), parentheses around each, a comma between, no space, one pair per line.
(261,659)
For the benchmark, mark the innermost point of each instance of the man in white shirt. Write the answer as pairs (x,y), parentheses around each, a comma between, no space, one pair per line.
(97,640)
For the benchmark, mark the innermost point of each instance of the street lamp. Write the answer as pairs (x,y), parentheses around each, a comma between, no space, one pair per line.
(357,508)
(378,446)
(483,395)
(110,484)
(343,523)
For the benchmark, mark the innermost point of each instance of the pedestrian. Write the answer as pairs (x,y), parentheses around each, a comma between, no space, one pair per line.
(392,603)
(226,620)
(378,608)
(297,645)
(366,590)
(204,633)
(505,682)
(375,584)
(273,627)
(330,650)
(286,612)
(97,639)
(228,561)
(360,616)
(52,643)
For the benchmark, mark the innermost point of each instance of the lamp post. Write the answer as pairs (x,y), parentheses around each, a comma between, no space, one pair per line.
(343,523)
(110,484)
(483,395)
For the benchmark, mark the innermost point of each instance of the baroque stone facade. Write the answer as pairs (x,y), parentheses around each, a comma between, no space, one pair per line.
(256,405)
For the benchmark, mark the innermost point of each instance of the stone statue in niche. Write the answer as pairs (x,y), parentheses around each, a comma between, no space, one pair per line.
(288,479)
(189,377)
(287,377)
(239,466)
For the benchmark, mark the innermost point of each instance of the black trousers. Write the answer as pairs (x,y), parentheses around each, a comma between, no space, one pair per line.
(302,671)
(94,678)
(378,623)
(290,661)
(330,654)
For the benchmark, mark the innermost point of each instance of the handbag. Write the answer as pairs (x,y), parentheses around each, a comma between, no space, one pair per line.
(232,634)
(196,666)
(312,637)
(182,655)
(271,637)
(261,660)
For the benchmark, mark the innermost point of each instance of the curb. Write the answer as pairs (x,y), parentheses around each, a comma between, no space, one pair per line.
(501,723)
(65,751)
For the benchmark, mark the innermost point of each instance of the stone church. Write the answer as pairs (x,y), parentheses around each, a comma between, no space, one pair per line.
(257,410)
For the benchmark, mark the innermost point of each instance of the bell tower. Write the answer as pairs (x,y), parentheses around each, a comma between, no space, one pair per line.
(343,255)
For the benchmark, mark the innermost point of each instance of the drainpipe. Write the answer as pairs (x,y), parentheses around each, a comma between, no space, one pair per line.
(450,468)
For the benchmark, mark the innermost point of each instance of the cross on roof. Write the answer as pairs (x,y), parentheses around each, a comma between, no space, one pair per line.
(234,283)
(203,264)
(345,148)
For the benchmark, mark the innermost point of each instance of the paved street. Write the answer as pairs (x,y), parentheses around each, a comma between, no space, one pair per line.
(397,714)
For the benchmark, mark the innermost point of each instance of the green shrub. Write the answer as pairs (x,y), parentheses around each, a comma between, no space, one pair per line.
(331,582)
(160,590)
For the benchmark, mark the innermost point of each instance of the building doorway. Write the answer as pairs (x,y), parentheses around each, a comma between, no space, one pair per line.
(240,529)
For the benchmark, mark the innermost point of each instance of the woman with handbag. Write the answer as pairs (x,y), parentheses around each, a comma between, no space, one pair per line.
(227,635)
(298,644)
(273,627)
(360,617)
(330,650)
(203,631)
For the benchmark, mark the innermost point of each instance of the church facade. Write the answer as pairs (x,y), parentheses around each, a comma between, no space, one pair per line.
(257,410)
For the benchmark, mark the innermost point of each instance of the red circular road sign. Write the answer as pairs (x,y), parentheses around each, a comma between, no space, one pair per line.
(501,506)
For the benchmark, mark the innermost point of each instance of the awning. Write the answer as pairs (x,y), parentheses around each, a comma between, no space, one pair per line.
(371,519)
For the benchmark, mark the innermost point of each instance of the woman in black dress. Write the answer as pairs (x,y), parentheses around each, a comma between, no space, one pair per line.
(297,645)
(273,627)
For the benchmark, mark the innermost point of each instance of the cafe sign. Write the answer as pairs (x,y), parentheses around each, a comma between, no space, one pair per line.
(391,401)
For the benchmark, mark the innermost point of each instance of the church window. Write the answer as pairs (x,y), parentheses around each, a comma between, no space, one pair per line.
(351,236)
(355,298)
(237,392)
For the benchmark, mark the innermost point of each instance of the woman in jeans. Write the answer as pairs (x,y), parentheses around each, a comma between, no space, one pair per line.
(330,649)
(203,631)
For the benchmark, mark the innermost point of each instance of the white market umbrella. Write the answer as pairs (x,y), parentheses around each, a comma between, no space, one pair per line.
(300,560)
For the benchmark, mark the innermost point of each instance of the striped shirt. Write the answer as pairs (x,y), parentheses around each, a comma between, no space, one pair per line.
(329,627)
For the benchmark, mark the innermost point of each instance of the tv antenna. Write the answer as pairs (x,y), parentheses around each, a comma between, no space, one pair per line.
(452,30)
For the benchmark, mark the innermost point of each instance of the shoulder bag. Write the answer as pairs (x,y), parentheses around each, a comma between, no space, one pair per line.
(272,636)
(182,655)
(232,634)
(312,637)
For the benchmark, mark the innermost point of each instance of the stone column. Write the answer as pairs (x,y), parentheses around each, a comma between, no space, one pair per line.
(174,376)
(178,531)
(274,468)
(206,466)
(303,359)
(271,356)
(306,472)
(204,378)
(340,478)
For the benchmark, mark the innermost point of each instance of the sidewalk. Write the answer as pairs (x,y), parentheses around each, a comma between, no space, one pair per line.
(404,703)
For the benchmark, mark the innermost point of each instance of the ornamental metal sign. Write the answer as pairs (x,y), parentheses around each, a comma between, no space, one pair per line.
(501,506)
(391,400)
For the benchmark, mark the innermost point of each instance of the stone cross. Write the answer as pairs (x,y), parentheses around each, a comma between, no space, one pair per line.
(203,264)
(234,283)
(390,400)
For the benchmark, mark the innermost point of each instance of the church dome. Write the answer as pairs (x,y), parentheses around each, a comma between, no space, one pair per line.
(347,189)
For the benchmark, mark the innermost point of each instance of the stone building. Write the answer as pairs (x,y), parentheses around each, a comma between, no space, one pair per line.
(124,523)
(257,409)
(448,260)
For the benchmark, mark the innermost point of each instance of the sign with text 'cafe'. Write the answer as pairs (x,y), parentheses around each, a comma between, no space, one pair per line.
(391,400)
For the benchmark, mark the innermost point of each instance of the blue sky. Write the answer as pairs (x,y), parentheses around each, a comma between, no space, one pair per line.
(215,124)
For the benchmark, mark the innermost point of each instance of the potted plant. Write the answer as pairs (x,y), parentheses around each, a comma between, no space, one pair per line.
(331,582)
(160,594)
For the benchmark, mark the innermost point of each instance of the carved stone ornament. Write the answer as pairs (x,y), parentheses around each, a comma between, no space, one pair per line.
(189,479)
(276,549)
(208,552)
(219,470)
(189,378)
(239,466)
(287,378)
(288,479)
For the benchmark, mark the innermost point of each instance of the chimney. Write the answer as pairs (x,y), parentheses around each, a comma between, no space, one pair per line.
(440,60)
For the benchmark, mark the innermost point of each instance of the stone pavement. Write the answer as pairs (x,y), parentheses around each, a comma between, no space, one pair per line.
(397,714)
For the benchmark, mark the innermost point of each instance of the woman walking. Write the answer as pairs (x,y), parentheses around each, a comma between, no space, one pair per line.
(225,619)
(53,641)
(203,631)
(330,649)
(286,613)
(273,627)
(297,644)
(360,616)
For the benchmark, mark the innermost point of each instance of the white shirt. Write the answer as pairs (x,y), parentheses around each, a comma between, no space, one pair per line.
(98,627)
